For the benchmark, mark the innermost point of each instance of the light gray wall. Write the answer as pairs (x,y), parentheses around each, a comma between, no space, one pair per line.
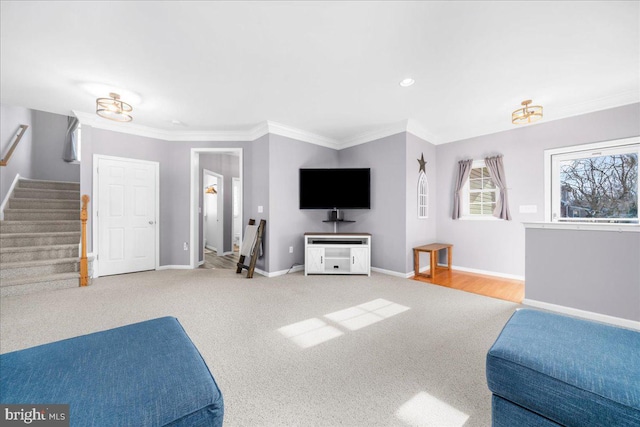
(386,220)
(595,271)
(21,162)
(419,231)
(174,158)
(499,246)
(260,187)
(49,133)
(287,222)
(229,167)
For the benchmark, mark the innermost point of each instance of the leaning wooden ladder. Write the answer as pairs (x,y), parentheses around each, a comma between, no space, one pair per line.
(254,248)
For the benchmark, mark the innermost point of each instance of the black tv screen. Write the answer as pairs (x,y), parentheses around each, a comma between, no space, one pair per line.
(335,188)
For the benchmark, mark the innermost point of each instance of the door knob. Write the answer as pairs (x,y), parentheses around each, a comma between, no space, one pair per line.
(151,222)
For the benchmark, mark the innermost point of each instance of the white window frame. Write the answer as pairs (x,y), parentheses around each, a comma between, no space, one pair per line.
(466,211)
(552,159)
(423,196)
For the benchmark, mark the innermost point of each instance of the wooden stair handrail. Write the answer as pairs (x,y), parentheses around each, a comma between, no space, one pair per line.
(23,129)
(84,268)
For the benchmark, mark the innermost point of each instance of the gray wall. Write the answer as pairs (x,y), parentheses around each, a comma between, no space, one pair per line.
(229,167)
(259,166)
(174,158)
(49,133)
(499,246)
(419,231)
(595,271)
(386,220)
(287,223)
(21,161)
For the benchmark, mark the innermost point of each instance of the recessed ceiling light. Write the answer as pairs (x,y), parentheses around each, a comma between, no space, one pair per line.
(407,82)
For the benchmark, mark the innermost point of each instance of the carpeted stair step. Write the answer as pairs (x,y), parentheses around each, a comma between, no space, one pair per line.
(13,240)
(51,185)
(17,270)
(39,193)
(41,214)
(34,253)
(44,204)
(38,284)
(39,226)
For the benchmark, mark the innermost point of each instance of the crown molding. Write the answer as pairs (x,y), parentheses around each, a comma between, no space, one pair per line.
(598,104)
(301,135)
(409,125)
(171,135)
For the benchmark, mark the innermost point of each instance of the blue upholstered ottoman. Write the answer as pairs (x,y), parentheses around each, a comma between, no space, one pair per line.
(145,374)
(547,369)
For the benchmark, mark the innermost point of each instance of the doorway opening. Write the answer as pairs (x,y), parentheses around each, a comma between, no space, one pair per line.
(216,205)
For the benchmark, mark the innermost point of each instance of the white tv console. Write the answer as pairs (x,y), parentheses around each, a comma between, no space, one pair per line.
(337,253)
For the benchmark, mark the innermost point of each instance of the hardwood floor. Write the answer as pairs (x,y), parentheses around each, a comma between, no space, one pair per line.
(490,286)
(212,260)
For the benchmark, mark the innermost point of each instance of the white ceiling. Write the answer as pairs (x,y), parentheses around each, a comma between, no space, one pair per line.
(327,68)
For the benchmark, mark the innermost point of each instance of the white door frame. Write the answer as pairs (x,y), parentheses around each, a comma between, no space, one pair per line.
(220,211)
(194,252)
(95,203)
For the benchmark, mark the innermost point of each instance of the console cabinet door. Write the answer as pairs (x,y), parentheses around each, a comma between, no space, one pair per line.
(360,260)
(314,263)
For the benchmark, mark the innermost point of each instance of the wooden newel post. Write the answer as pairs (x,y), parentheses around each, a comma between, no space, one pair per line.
(84,268)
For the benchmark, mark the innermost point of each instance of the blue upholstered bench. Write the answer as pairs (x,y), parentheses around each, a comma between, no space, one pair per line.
(145,374)
(547,369)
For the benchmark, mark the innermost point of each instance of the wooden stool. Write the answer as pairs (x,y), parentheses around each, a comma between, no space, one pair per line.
(433,249)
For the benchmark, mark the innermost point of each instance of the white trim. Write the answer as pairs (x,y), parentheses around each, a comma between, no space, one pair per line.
(174,267)
(95,205)
(8,195)
(488,273)
(194,160)
(293,269)
(301,135)
(618,321)
(586,226)
(392,273)
(548,154)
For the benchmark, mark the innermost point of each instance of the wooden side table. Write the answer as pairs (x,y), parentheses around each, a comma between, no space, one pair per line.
(432,249)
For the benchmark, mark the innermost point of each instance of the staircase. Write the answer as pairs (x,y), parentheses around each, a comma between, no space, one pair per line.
(39,238)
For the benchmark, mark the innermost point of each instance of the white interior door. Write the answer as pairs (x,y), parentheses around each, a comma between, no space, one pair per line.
(127,217)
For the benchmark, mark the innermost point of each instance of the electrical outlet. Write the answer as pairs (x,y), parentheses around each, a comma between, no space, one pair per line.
(260,209)
(290,249)
(186,246)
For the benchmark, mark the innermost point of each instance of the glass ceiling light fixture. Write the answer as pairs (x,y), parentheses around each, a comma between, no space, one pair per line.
(527,114)
(113,108)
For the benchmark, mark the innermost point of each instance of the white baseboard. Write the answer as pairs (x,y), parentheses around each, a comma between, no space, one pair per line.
(618,321)
(8,195)
(174,267)
(488,273)
(281,272)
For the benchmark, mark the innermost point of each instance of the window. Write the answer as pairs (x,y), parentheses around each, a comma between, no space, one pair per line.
(479,193)
(594,182)
(423,196)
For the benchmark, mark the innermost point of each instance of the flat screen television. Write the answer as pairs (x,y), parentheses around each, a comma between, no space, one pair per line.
(335,188)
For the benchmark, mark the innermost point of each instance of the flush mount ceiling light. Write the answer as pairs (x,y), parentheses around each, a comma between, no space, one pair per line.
(527,114)
(113,108)
(407,82)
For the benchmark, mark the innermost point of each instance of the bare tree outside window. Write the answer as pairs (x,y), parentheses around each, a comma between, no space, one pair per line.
(600,187)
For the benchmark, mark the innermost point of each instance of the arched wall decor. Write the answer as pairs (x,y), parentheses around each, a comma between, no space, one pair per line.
(423,189)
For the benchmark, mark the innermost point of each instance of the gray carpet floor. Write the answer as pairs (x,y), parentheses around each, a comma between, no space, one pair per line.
(295,350)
